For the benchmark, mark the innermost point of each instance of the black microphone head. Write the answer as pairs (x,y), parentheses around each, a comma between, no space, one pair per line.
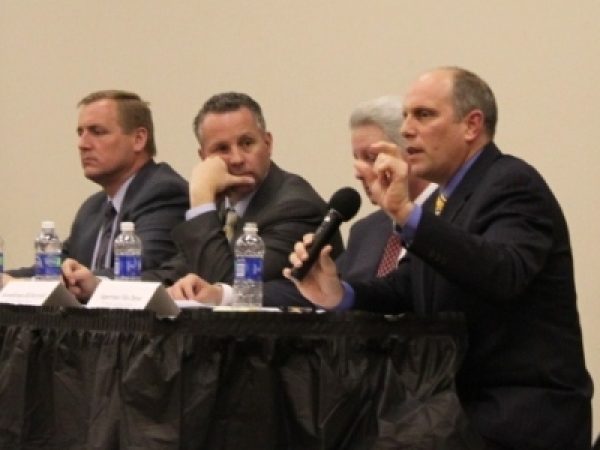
(345,201)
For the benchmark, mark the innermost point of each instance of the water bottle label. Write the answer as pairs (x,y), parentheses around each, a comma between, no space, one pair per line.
(248,268)
(47,265)
(128,266)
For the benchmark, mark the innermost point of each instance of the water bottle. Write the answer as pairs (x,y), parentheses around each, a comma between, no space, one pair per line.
(249,255)
(48,250)
(128,253)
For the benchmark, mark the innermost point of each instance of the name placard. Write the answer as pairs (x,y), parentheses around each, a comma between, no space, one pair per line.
(133,295)
(38,293)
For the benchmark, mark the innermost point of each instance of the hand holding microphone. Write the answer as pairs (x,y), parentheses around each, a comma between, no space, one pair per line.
(343,205)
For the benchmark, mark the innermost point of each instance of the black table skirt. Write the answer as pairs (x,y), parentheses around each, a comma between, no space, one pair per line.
(113,379)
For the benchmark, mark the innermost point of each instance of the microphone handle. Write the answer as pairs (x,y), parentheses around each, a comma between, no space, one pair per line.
(323,235)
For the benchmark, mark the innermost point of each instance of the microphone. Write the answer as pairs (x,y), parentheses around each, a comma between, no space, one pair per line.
(343,205)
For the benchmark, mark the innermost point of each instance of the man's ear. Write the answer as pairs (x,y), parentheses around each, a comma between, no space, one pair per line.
(474,124)
(201,153)
(140,138)
(268,137)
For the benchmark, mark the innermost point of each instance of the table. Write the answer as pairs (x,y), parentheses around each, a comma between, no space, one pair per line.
(115,379)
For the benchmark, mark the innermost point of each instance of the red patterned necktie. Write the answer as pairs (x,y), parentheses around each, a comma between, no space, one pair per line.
(389,260)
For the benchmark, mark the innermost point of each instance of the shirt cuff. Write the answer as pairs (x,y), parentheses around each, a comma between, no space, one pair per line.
(200,209)
(227,298)
(347,299)
(410,227)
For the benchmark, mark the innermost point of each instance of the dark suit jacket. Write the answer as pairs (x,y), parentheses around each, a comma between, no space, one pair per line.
(500,253)
(285,207)
(156,201)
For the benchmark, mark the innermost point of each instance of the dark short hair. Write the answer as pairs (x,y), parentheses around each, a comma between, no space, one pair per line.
(227,102)
(133,112)
(471,92)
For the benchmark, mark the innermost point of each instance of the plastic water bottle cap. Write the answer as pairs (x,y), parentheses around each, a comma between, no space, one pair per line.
(47,224)
(250,227)
(127,226)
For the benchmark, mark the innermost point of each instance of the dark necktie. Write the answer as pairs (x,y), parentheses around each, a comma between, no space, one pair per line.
(105,237)
(231,218)
(391,254)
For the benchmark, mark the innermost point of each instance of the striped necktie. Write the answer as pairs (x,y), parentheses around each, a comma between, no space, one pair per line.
(105,242)
(231,218)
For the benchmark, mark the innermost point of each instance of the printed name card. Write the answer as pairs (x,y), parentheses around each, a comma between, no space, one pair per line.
(37,293)
(133,295)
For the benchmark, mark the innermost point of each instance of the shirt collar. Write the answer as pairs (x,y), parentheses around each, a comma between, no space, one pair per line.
(117,199)
(449,187)
(425,193)
(241,205)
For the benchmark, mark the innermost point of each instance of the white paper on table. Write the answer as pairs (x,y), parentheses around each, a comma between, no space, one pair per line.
(38,293)
(136,295)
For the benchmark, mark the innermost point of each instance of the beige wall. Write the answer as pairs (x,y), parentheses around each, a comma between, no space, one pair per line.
(308,63)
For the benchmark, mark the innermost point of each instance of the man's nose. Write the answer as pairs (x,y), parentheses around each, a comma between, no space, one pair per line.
(83,141)
(407,128)
(236,156)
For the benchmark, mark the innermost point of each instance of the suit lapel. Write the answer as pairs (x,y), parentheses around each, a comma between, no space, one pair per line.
(423,274)
(88,235)
(263,196)
(469,183)
(134,188)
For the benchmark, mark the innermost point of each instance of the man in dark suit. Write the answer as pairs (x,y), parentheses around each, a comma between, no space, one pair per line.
(235,173)
(493,245)
(116,146)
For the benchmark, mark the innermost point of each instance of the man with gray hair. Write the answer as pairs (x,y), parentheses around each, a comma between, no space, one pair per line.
(374,248)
